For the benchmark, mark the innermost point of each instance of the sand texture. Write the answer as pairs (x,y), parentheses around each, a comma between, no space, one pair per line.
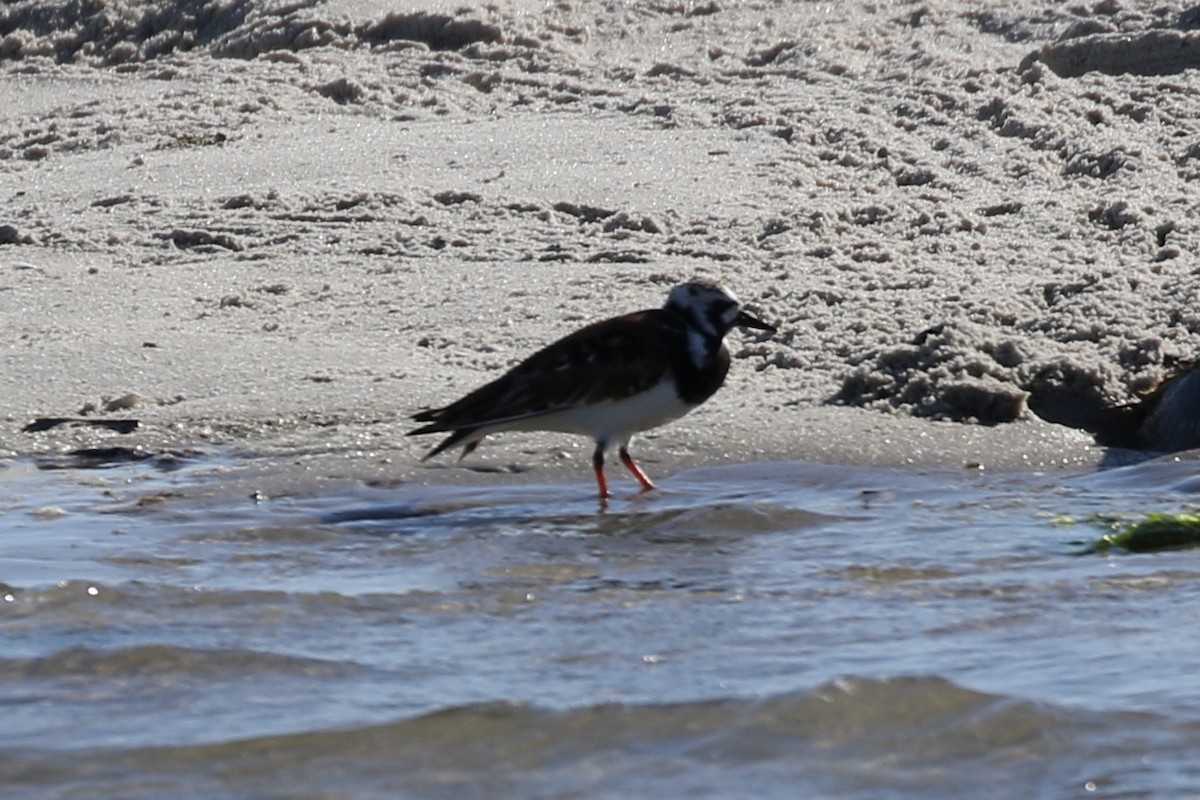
(281,228)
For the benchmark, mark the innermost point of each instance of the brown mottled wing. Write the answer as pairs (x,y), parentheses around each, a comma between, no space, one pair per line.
(613,358)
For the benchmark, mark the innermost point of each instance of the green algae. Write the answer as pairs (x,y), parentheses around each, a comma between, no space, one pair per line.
(1154,532)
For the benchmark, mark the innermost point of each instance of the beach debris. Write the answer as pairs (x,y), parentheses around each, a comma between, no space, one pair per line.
(9,234)
(123,402)
(117,425)
(1170,414)
(1167,418)
(203,241)
(1156,531)
(101,457)
(48,513)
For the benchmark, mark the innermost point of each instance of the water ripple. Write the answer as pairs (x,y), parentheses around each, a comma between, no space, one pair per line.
(847,738)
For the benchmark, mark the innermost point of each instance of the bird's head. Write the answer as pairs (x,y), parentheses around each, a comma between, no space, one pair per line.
(711,309)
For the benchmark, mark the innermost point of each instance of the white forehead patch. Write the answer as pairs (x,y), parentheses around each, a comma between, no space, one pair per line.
(699,295)
(711,309)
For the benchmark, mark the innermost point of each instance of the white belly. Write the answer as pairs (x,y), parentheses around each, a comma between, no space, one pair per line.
(615,420)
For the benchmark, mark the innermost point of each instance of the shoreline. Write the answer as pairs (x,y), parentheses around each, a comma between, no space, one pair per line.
(286,458)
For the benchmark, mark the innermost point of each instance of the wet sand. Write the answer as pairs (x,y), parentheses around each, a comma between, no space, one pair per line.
(277,230)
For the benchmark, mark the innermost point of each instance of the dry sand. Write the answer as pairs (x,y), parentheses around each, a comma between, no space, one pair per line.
(277,229)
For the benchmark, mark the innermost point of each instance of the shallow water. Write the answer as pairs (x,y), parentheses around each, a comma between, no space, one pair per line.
(770,630)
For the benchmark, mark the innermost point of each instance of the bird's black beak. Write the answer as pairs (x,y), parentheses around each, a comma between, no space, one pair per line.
(744,320)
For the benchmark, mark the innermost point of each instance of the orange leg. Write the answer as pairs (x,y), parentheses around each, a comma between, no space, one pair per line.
(627,460)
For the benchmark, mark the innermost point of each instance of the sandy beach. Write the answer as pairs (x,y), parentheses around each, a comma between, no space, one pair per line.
(277,230)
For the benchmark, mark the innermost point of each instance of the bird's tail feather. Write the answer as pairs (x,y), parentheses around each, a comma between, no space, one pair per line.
(451,440)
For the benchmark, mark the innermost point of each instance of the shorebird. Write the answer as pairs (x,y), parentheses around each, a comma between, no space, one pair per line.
(607,381)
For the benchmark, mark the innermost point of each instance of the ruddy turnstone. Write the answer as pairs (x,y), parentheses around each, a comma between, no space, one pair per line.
(609,380)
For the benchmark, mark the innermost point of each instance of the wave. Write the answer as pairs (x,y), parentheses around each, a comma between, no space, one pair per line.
(163,661)
(902,737)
